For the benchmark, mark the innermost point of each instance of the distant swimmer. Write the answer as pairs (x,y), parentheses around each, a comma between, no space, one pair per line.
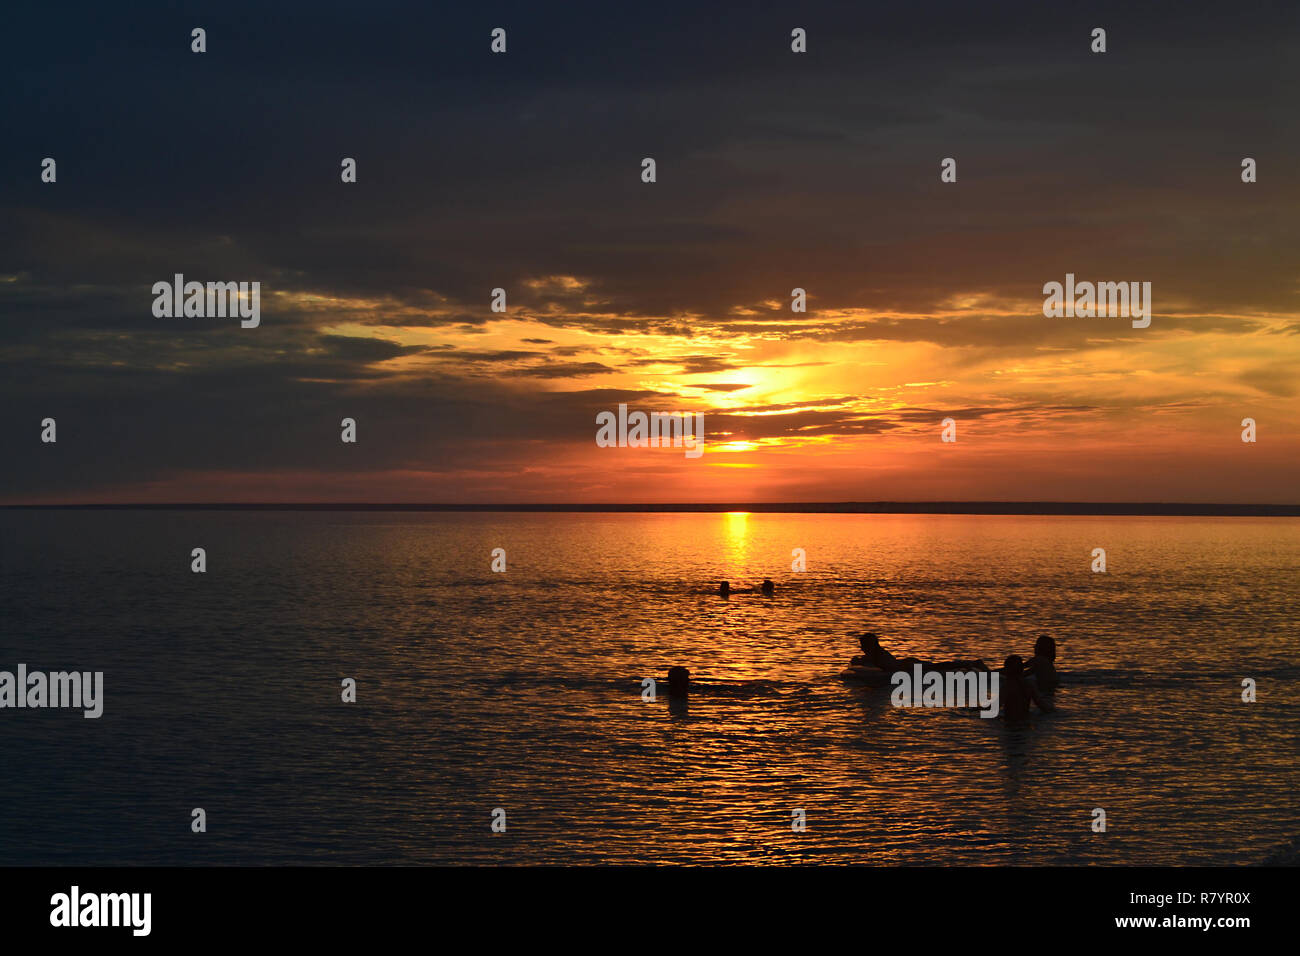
(726,590)
(682,686)
(1017,693)
(873,655)
(1040,670)
(768,587)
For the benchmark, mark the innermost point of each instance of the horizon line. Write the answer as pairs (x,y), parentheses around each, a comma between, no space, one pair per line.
(1120,508)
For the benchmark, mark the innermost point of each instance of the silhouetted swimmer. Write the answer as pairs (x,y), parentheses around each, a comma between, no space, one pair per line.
(1014,691)
(768,586)
(1017,693)
(873,655)
(679,683)
(1040,669)
(726,590)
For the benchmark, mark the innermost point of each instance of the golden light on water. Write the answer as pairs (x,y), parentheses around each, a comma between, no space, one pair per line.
(736,527)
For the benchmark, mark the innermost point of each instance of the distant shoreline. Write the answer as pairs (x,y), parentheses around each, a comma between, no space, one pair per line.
(1100,509)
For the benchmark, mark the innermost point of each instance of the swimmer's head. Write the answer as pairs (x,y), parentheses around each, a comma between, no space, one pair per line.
(1014,666)
(1045,646)
(724,588)
(768,586)
(679,681)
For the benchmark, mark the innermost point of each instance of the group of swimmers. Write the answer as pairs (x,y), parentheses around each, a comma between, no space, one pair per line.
(726,590)
(1023,682)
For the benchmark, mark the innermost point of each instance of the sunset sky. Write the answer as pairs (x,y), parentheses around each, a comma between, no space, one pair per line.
(775,171)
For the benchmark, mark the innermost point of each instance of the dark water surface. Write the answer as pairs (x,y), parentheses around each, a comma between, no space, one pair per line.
(523,690)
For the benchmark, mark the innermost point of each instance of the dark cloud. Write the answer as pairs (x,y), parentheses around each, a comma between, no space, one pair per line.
(563,370)
(365,349)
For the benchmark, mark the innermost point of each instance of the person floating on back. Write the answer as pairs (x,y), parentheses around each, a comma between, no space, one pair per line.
(873,655)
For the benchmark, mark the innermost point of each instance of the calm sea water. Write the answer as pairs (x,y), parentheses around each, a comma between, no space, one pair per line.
(523,690)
